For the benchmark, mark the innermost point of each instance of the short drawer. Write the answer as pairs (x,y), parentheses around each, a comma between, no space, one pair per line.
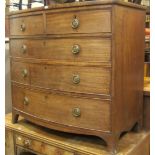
(39,147)
(80,49)
(78,79)
(28,25)
(93,21)
(63,109)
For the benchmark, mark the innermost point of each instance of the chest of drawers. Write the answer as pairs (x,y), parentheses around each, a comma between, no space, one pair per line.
(78,67)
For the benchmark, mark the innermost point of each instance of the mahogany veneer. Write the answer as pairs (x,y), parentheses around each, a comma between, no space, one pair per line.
(78,67)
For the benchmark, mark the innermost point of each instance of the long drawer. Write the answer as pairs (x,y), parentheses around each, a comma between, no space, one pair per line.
(39,147)
(92,21)
(27,25)
(78,79)
(73,49)
(63,109)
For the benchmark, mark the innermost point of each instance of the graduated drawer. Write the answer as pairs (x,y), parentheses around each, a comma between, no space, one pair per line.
(27,25)
(80,49)
(78,79)
(91,21)
(39,147)
(63,109)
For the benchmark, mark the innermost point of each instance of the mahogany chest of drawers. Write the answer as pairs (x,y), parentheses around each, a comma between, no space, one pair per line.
(78,67)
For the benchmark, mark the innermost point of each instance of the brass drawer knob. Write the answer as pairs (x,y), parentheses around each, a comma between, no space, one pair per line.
(26,100)
(23,49)
(24,72)
(76,79)
(76,112)
(27,143)
(76,49)
(22,27)
(75,23)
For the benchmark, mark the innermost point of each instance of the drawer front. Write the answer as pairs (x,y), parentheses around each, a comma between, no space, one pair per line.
(64,109)
(93,21)
(89,80)
(39,147)
(29,25)
(20,72)
(90,50)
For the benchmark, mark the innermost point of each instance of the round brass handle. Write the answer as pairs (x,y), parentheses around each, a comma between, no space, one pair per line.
(76,49)
(24,48)
(24,72)
(75,23)
(22,27)
(76,112)
(76,79)
(26,100)
(27,143)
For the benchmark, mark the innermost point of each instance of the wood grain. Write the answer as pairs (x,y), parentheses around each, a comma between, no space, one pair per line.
(128,70)
(32,27)
(92,79)
(40,147)
(53,108)
(9,142)
(92,21)
(91,49)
